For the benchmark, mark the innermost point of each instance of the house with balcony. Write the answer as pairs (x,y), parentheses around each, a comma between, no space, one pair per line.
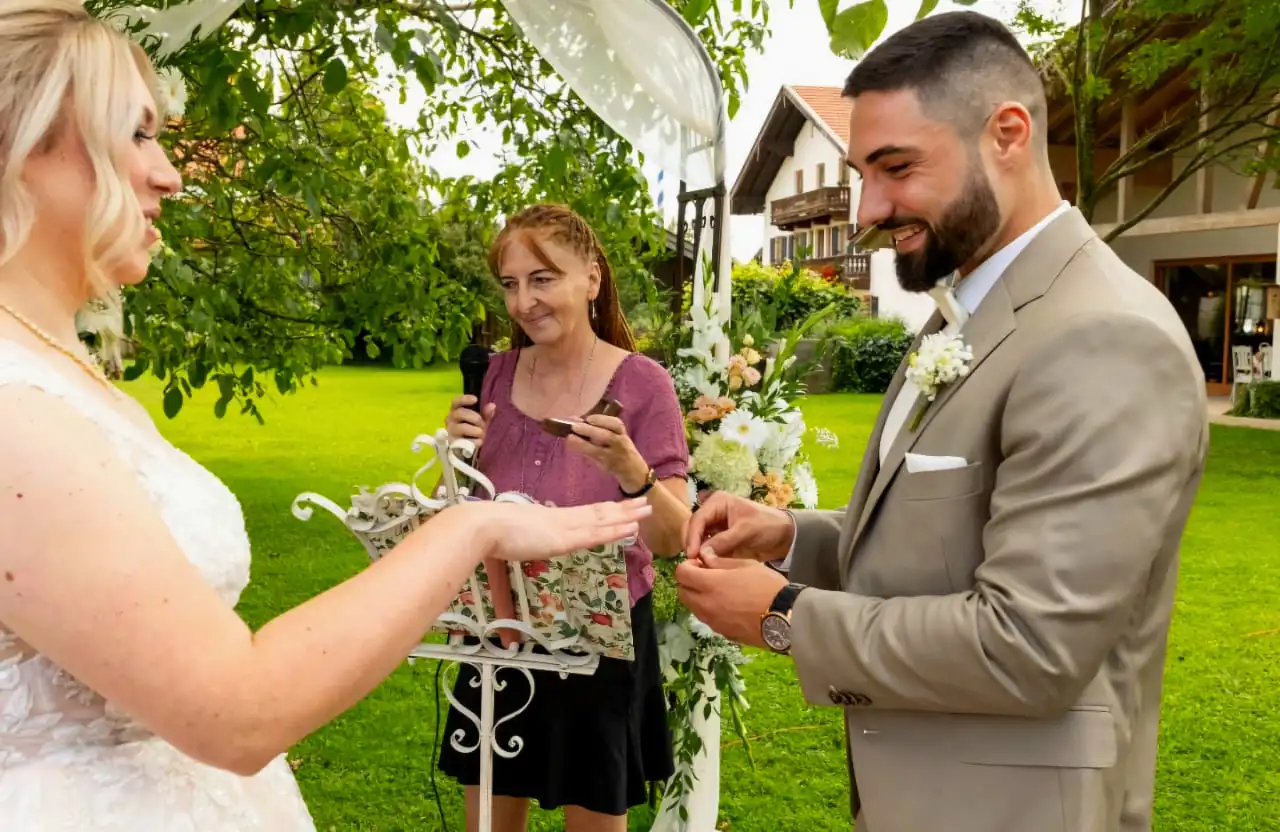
(796,180)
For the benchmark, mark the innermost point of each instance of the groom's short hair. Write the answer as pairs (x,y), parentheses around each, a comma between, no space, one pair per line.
(960,65)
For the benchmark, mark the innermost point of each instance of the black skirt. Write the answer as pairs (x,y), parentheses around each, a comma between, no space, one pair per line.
(591,741)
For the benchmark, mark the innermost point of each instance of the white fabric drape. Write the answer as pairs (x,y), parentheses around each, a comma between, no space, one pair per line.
(177,25)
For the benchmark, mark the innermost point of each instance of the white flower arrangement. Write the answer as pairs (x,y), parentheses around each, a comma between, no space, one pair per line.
(745,437)
(941,360)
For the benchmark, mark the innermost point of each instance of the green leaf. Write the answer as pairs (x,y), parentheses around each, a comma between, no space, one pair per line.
(220,408)
(858,27)
(695,10)
(173,399)
(385,38)
(135,370)
(198,374)
(335,76)
(828,8)
(926,8)
(463,149)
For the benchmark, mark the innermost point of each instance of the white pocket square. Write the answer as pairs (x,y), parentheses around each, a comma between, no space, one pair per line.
(918,463)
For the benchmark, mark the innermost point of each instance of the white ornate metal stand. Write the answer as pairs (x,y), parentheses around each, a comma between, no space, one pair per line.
(380,519)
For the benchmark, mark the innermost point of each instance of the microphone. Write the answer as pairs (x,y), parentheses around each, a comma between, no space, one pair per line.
(474,363)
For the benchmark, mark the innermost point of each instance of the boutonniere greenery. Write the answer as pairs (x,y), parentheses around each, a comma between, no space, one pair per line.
(942,359)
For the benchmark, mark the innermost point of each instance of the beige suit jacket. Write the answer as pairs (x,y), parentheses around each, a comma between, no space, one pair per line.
(996,633)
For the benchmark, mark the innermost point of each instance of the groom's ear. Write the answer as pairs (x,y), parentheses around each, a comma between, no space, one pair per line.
(1010,130)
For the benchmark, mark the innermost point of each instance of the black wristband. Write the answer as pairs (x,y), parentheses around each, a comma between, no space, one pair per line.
(649,481)
(786,598)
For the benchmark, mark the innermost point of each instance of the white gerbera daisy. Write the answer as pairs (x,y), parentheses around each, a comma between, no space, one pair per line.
(173,91)
(745,429)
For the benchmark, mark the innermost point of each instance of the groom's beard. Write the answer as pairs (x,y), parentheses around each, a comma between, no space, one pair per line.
(967,224)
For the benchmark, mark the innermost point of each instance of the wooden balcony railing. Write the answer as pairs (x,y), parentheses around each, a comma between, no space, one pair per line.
(854,269)
(803,210)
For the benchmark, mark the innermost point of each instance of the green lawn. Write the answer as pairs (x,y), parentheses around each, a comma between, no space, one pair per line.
(370,769)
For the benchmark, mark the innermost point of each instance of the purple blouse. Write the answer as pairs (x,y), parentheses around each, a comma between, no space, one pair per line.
(518,455)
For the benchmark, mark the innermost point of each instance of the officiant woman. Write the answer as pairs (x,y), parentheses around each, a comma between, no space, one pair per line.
(592,743)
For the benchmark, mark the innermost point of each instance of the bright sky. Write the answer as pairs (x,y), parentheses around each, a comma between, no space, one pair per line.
(796,53)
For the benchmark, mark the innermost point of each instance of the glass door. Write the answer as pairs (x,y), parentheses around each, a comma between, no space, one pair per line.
(1199,292)
(1249,326)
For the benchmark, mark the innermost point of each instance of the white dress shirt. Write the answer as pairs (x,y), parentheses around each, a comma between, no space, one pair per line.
(969,294)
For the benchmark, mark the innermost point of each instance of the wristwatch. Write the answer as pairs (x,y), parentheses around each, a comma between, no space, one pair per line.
(650,480)
(775,625)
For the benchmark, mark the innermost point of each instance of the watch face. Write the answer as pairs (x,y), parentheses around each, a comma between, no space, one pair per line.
(776,630)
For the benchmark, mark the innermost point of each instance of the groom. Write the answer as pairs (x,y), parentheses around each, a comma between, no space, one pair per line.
(991,607)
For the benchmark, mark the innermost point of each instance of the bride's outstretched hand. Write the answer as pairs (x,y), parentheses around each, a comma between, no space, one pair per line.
(517,531)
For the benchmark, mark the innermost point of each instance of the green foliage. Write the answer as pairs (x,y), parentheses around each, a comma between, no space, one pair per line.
(1259,400)
(868,352)
(768,300)
(855,30)
(311,230)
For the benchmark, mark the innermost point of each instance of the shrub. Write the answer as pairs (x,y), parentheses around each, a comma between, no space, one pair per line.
(867,354)
(1260,400)
(782,297)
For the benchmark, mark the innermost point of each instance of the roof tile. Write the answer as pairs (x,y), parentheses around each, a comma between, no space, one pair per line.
(831,106)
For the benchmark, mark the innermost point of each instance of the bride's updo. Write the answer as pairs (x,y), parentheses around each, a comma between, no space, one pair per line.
(62,68)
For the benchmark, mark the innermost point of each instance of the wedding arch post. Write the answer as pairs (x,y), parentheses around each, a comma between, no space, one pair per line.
(643,70)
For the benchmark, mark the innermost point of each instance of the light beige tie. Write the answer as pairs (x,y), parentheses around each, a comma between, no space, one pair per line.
(952,310)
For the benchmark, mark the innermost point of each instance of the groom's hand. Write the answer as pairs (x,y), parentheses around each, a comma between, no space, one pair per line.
(729,596)
(735,527)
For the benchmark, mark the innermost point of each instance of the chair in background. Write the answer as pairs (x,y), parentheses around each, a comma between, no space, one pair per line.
(1241,368)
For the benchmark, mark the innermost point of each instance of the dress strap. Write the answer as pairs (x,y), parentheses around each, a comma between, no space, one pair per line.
(20,367)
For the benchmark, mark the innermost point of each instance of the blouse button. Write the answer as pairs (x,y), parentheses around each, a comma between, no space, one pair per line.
(537,462)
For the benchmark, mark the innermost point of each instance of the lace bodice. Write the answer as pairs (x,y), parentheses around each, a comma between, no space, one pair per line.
(51,723)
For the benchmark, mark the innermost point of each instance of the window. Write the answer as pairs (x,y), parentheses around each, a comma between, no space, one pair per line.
(822,175)
(802,245)
(844,175)
(820,241)
(799,181)
(837,239)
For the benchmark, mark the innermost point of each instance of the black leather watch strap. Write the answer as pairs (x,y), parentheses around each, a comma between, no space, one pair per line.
(786,598)
(650,481)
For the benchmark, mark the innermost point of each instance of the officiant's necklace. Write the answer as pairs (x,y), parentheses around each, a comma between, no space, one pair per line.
(524,423)
(37,331)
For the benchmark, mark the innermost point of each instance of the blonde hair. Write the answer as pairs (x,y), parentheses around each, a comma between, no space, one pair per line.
(62,68)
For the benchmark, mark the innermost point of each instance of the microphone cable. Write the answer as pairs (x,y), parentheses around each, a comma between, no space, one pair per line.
(436,746)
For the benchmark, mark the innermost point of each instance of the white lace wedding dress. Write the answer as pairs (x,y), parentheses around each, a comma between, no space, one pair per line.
(68,759)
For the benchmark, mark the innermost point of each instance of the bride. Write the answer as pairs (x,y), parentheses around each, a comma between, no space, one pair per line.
(132,697)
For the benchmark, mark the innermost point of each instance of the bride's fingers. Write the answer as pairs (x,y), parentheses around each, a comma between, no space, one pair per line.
(634,509)
(598,535)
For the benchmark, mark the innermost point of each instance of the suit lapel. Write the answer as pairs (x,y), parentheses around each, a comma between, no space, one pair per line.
(867,474)
(1027,278)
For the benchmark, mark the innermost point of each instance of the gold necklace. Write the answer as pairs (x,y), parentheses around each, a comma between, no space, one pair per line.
(35,330)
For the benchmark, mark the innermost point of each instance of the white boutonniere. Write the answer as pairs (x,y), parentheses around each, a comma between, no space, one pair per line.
(941,360)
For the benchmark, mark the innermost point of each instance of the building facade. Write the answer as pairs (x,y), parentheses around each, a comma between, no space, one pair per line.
(1210,244)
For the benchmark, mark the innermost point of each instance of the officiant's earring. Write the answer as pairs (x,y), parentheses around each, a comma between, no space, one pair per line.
(593,311)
